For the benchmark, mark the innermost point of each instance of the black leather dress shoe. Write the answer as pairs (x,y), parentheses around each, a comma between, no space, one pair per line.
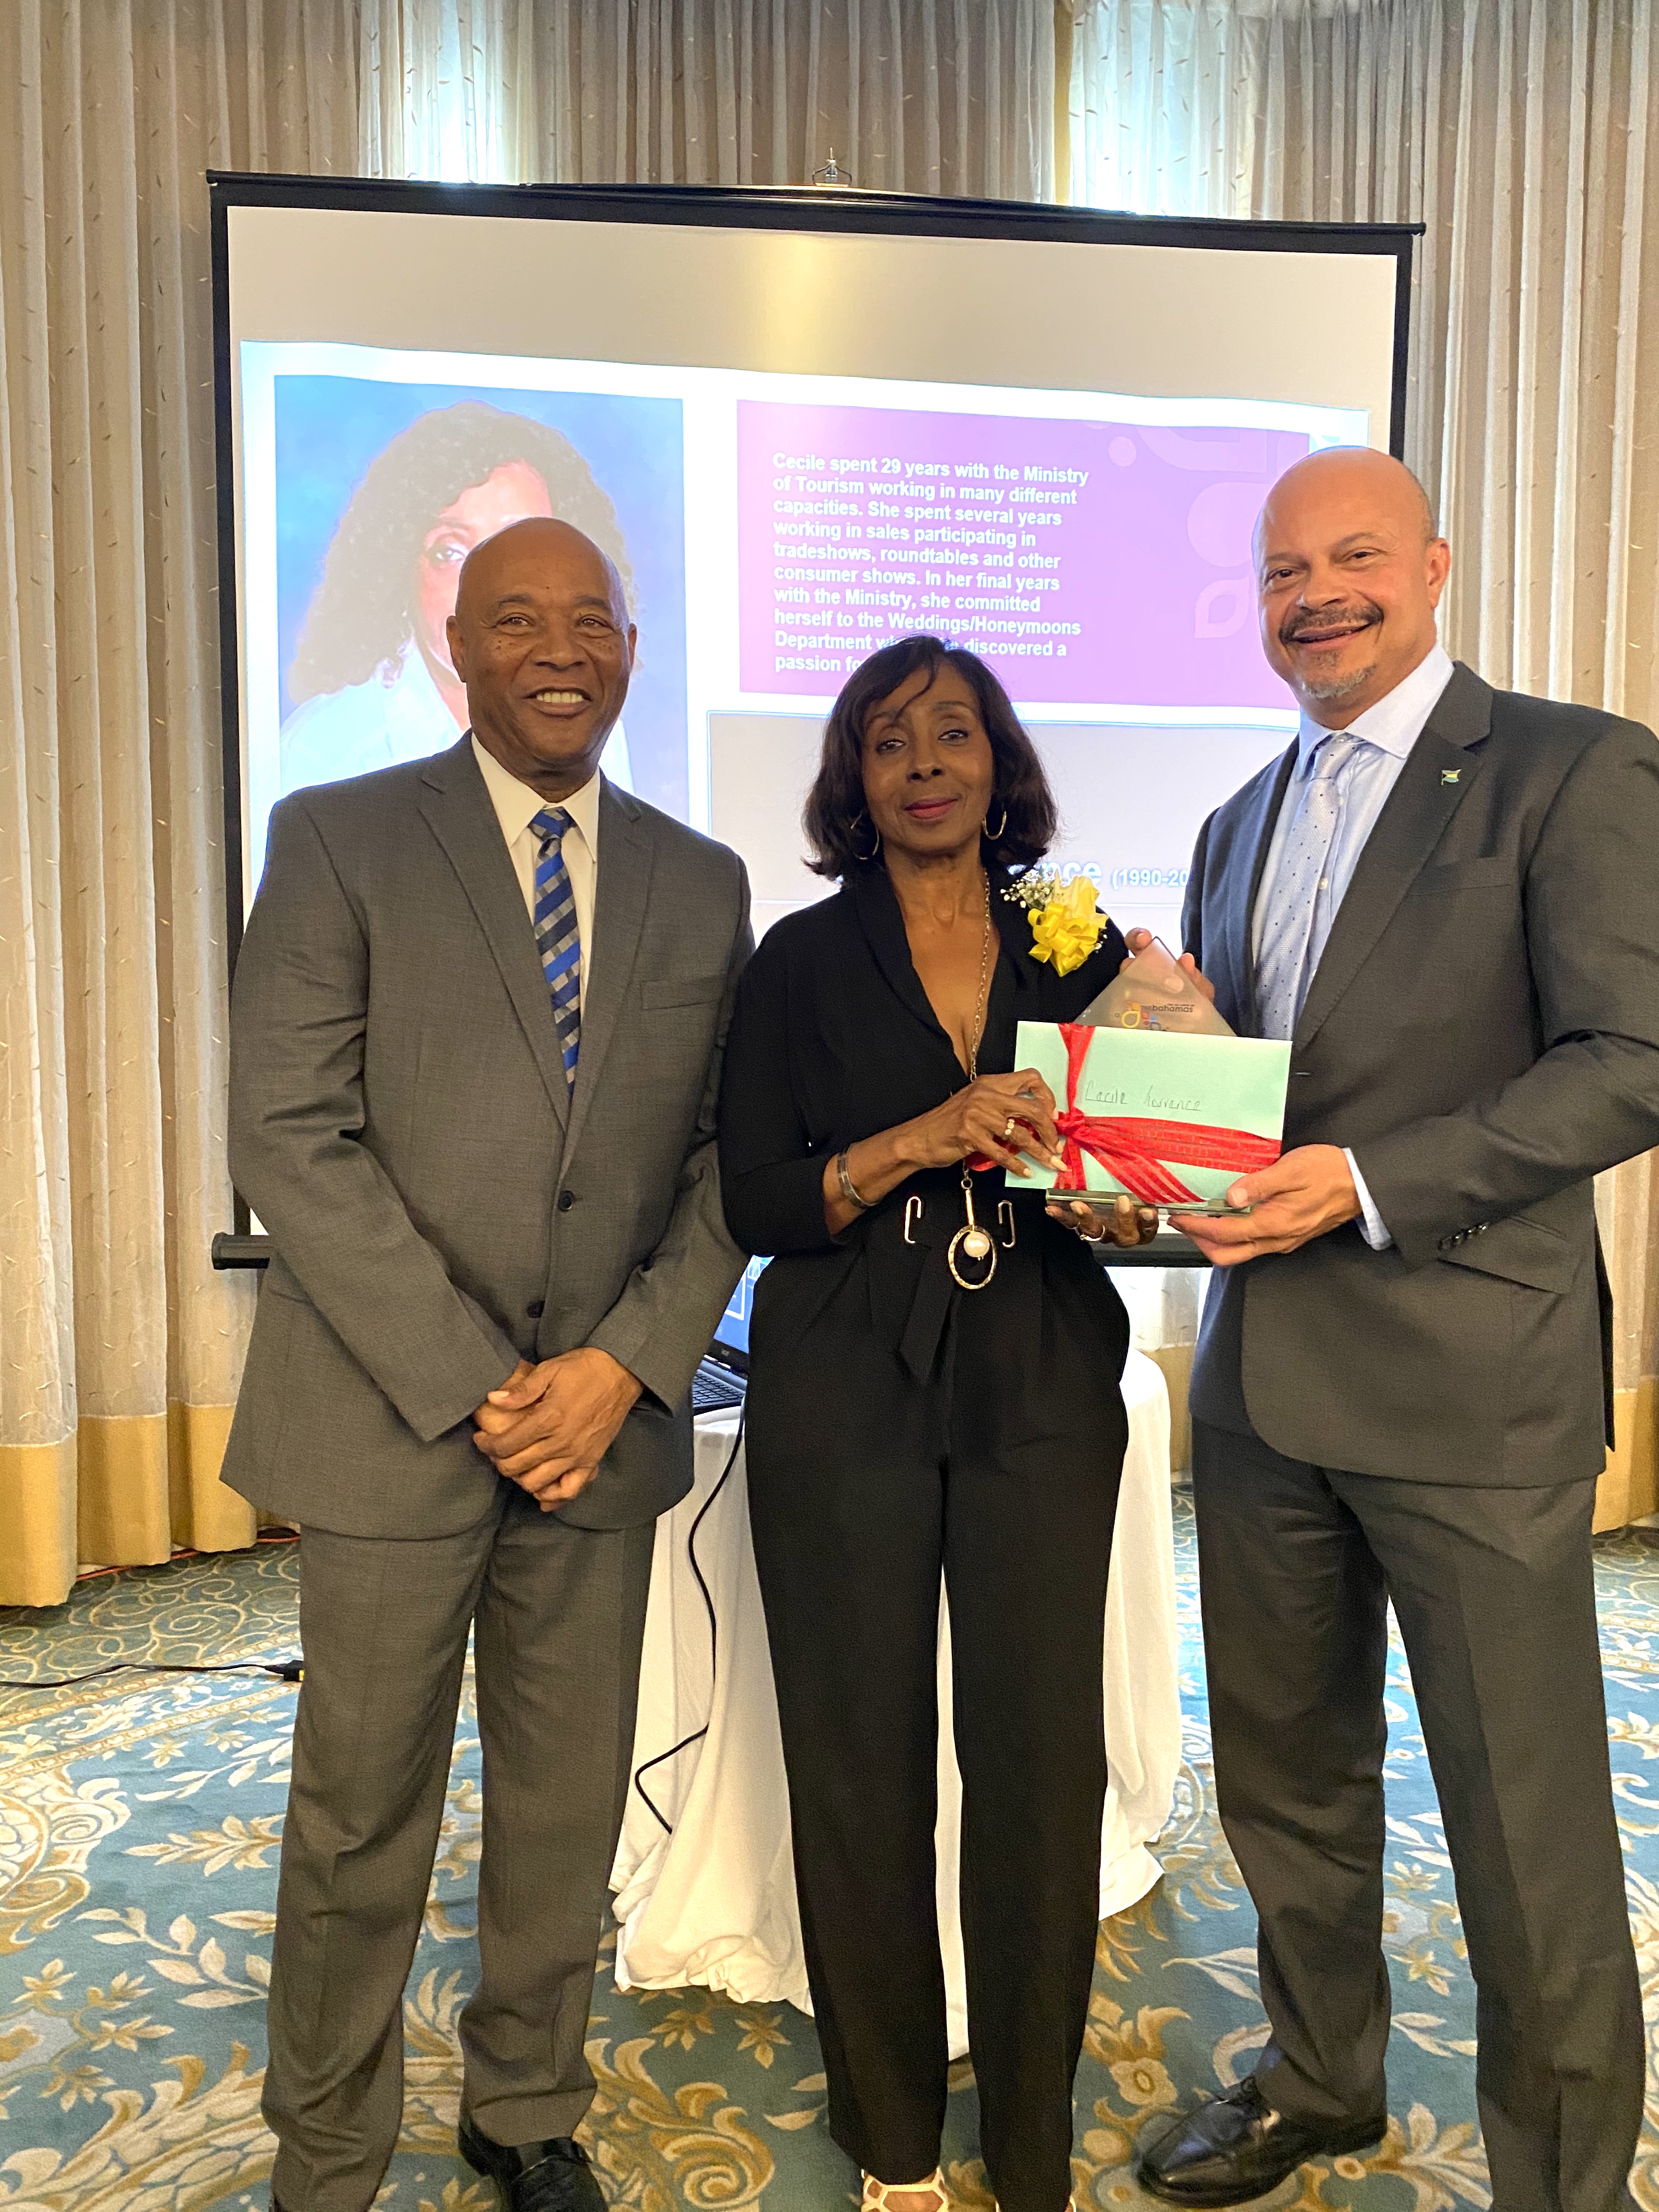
(1237,2147)
(553,2176)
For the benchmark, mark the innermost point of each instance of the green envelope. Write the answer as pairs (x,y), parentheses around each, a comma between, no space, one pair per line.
(1174,1121)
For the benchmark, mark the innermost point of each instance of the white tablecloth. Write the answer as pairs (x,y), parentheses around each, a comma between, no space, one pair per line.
(713,1904)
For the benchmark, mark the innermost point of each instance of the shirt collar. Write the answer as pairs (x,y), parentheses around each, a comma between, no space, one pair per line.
(517,805)
(1395,723)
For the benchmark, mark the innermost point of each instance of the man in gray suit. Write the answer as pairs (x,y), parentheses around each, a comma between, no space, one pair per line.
(1446,897)
(475,1039)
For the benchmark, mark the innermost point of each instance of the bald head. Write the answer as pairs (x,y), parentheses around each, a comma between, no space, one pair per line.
(1350,569)
(541,540)
(1346,474)
(541,639)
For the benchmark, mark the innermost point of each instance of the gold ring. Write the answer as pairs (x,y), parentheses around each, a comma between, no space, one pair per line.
(1009,1131)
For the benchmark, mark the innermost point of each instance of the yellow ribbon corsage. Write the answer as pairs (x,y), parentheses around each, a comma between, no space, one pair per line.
(1066,923)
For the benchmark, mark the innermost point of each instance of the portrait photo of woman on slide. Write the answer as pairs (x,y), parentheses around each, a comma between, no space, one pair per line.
(929,1397)
(370,675)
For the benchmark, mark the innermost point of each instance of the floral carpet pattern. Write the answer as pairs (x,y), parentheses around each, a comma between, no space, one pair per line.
(140,1819)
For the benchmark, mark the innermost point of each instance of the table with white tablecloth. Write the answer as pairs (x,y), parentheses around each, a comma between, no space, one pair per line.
(704,1883)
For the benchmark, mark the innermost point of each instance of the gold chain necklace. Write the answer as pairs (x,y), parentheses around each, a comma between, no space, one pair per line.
(974,1243)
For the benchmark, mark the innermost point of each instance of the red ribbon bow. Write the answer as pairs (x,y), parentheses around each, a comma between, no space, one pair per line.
(1132,1151)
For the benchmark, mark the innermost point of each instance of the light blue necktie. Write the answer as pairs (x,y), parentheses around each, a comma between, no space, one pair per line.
(1283,968)
(556,939)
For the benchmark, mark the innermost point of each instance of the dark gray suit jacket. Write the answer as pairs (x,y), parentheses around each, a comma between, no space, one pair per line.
(1483,1030)
(440,1205)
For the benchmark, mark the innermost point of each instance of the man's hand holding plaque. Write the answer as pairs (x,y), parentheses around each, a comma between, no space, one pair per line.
(1302,1193)
(1160,1103)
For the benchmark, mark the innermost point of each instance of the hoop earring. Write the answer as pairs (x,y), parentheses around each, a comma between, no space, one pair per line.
(853,829)
(991,835)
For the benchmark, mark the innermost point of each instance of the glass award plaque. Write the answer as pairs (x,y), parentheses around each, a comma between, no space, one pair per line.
(1154,992)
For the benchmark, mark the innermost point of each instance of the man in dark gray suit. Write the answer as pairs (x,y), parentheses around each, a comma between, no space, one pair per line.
(475,1039)
(1446,897)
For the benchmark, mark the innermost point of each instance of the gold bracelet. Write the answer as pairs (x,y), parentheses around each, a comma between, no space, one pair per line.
(845,1181)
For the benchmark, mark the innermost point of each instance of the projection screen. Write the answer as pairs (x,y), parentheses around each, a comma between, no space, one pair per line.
(803,422)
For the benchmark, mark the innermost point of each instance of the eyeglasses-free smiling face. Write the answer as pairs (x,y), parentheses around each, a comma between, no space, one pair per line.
(541,638)
(928,764)
(1350,571)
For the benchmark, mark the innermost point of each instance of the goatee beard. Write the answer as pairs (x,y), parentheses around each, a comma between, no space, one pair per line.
(1331,688)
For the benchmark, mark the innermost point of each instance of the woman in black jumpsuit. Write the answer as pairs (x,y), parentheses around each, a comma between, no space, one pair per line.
(899,1424)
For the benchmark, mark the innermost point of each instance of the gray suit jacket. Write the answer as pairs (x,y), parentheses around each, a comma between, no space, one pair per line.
(1483,1030)
(439,1203)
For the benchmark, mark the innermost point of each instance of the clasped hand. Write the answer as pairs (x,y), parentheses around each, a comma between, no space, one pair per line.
(549,1426)
(1306,1191)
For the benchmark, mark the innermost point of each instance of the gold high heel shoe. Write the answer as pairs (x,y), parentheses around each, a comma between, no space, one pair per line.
(877,2195)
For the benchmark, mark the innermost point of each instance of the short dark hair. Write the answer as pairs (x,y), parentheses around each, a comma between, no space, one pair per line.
(362,613)
(835,802)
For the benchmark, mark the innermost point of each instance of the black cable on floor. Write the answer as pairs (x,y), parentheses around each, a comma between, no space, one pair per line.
(697,1735)
(285,1670)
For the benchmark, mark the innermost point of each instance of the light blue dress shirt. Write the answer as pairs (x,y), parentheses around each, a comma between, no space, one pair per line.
(1389,730)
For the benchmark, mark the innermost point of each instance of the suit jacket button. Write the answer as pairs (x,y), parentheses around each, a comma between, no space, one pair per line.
(535,1308)
(567,1199)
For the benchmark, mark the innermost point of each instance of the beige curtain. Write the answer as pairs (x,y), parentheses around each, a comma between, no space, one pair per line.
(913,95)
(120,1348)
(1524,134)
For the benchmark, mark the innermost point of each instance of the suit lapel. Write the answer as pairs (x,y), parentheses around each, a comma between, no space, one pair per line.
(1255,835)
(455,802)
(1431,787)
(622,889)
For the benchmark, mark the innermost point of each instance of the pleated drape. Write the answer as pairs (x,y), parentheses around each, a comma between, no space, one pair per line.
(120,1348)
(1524,135)
(912,96)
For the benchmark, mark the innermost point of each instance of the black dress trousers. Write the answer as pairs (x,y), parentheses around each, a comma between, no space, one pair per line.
(901,1430)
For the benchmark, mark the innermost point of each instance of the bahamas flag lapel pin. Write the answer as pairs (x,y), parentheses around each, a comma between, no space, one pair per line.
(1451,774)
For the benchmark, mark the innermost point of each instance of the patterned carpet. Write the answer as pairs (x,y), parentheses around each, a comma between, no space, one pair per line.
(139,1819)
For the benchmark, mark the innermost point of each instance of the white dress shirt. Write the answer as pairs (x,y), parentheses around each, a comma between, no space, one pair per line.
(1389,731)
(516,806)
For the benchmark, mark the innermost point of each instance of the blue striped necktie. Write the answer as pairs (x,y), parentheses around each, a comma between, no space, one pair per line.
(555,933)
(1301,881)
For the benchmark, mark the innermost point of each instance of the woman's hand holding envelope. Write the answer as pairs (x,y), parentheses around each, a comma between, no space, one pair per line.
(1116,1221)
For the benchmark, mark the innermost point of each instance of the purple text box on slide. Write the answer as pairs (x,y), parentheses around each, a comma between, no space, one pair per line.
(1103,563)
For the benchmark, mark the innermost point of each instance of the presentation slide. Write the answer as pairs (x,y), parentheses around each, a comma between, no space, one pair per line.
(774,523)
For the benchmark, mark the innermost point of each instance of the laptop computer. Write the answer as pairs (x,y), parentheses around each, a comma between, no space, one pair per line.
(722,1373)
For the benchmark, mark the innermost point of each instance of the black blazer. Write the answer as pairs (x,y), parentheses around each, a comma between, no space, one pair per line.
(1483,1030)
(833,1039)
